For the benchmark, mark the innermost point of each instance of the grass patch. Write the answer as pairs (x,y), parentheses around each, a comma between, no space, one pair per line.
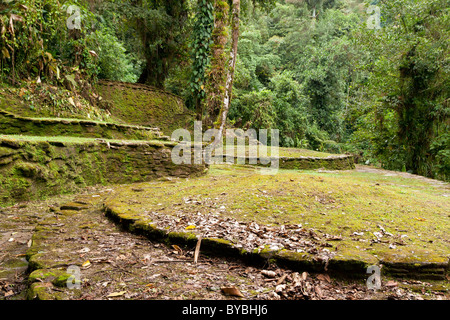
(391,218)
(68,139)
(145,105)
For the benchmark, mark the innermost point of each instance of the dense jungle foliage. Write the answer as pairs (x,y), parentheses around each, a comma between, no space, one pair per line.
(367,77)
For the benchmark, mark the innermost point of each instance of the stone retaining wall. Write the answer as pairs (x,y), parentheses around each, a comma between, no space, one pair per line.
(15,125)
(31,170)
(338,162)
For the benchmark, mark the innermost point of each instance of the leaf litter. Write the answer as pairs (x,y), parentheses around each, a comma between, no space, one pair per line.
(127,266)
(248,235)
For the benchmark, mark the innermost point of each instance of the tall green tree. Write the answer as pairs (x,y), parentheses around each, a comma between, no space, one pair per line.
(161,26)
(409,85)
(222,72)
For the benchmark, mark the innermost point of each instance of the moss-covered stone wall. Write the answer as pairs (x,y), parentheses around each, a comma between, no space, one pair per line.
(147,106)
(12,124)
(31,170)
(338,162)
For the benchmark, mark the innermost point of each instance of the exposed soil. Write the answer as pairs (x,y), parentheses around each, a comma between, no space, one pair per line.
(119,265)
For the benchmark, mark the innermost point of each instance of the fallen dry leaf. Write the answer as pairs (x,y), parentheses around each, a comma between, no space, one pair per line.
(304,275)
(281,279)
(87,263)
(232,291)
(324,277)
(70,99)
(318,291)
(9,293)
(279,288)
(177,248)
(116,294)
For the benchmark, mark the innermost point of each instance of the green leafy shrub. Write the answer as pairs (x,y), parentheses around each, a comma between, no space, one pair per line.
(113,61)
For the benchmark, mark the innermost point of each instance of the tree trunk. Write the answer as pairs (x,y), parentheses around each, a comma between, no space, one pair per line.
(235,23)
(217,76)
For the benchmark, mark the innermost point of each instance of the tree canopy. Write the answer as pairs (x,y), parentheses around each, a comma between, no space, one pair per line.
(317,70)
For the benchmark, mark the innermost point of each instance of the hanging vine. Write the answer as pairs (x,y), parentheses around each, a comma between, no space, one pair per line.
(202,41)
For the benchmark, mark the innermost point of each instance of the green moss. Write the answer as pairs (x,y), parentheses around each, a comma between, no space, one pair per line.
(149,230)
(188,236)
(297,261)
(336,203)
(56,276)
(46,166)
(43,291)
(5,152)
(182,238)
(38,261)
(222,247)
(59,127)
(331,163)
(144,105)
(31,170)
(14,263)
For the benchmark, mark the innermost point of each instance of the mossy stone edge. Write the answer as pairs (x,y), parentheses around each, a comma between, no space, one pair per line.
(33,168)
(340,266)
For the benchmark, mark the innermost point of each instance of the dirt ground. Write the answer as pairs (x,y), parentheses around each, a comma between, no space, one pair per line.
(118,265)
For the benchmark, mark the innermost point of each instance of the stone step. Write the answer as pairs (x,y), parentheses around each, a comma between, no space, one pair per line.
(12,124)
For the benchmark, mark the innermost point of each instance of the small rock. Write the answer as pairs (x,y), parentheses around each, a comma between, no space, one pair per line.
(269,273)
(213,288)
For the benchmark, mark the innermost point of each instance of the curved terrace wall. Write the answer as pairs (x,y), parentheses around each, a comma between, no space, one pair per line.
(33,169)
(337,162)
(12,124)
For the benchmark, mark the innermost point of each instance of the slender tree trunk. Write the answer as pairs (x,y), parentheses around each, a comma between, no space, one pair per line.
(235,23)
